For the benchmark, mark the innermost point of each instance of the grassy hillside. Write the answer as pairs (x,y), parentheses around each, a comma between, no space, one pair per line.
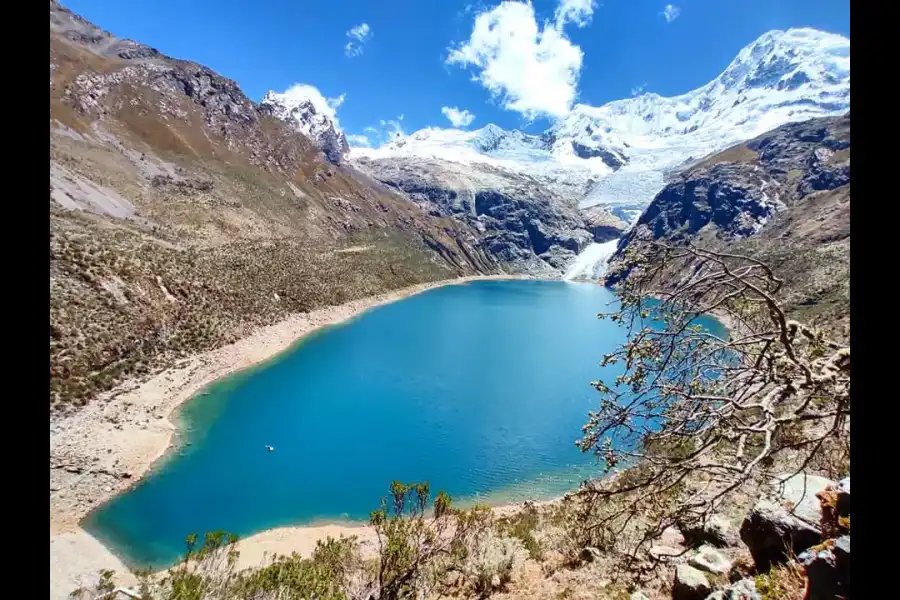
(182,216)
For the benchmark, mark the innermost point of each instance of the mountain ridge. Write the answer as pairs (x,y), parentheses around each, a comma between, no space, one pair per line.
(620,152)
(782,198)
(306,119)
(238,206)
(183,217)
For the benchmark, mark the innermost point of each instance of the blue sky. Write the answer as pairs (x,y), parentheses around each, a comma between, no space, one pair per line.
(411,58)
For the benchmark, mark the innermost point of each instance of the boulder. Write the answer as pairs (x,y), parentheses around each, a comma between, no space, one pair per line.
(710,560)
(843,506)
(690,584)
(770,531)
(638,596)
(590,554)
(715,531)
(828,569)
(800,492)
(789,522)
(745,589)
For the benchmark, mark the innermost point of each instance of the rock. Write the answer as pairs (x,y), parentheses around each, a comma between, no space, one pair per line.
(800,491)
(302,115)
(716,531)
(710,560)
(521,224)
(741,568)
(451,579)
(828,569)
(558,257)
(744,589)
(664,551)
(771,529)
(739,192)
(638,596)
(690,584)
(590,554)
(842,548)
(843,506)
(495,581)
(602,224)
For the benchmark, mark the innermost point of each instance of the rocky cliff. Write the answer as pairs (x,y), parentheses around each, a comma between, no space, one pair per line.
(184,215)
(603,224)
(525,226)
(783,197)
(303,116)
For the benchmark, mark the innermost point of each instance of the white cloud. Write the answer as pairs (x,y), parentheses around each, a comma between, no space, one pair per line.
(578,12)
(377,135)
(299,92)
(638,89)
(459,118)
(358,35)
(358,141)
(534,69)
(670,12)
(360,32)
(336,102)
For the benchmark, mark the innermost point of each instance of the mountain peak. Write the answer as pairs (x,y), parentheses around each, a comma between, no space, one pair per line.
(301,113)
(788,59)
(626,148)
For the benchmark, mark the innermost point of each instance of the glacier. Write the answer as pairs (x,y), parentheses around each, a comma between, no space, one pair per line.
(590,264)
(622,153)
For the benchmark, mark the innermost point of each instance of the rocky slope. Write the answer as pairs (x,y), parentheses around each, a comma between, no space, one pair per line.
(525,226)
(620,154)
(783,197)
(304,117)
(603,224)
(183,215)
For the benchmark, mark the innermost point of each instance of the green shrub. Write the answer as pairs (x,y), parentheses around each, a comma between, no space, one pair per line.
(522,526)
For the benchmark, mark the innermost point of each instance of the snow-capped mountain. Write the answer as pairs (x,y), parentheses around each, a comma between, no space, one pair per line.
(302,114)
(619,154)
(512,151)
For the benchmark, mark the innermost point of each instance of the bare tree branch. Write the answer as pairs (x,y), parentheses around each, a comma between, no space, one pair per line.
(691,405)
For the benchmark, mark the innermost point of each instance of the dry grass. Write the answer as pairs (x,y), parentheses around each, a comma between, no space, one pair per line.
(839,156)
(784,582)
(735,154)
(123,304)
(239,232)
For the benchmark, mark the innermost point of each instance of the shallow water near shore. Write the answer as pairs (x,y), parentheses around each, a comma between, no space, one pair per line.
(481,389)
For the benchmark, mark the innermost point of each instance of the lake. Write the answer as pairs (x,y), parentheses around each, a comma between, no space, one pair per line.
(480,389)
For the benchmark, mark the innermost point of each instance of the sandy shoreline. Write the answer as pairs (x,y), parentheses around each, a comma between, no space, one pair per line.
(110,444)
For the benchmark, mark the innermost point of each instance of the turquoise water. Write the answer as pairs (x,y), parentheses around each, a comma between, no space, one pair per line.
(481,389)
